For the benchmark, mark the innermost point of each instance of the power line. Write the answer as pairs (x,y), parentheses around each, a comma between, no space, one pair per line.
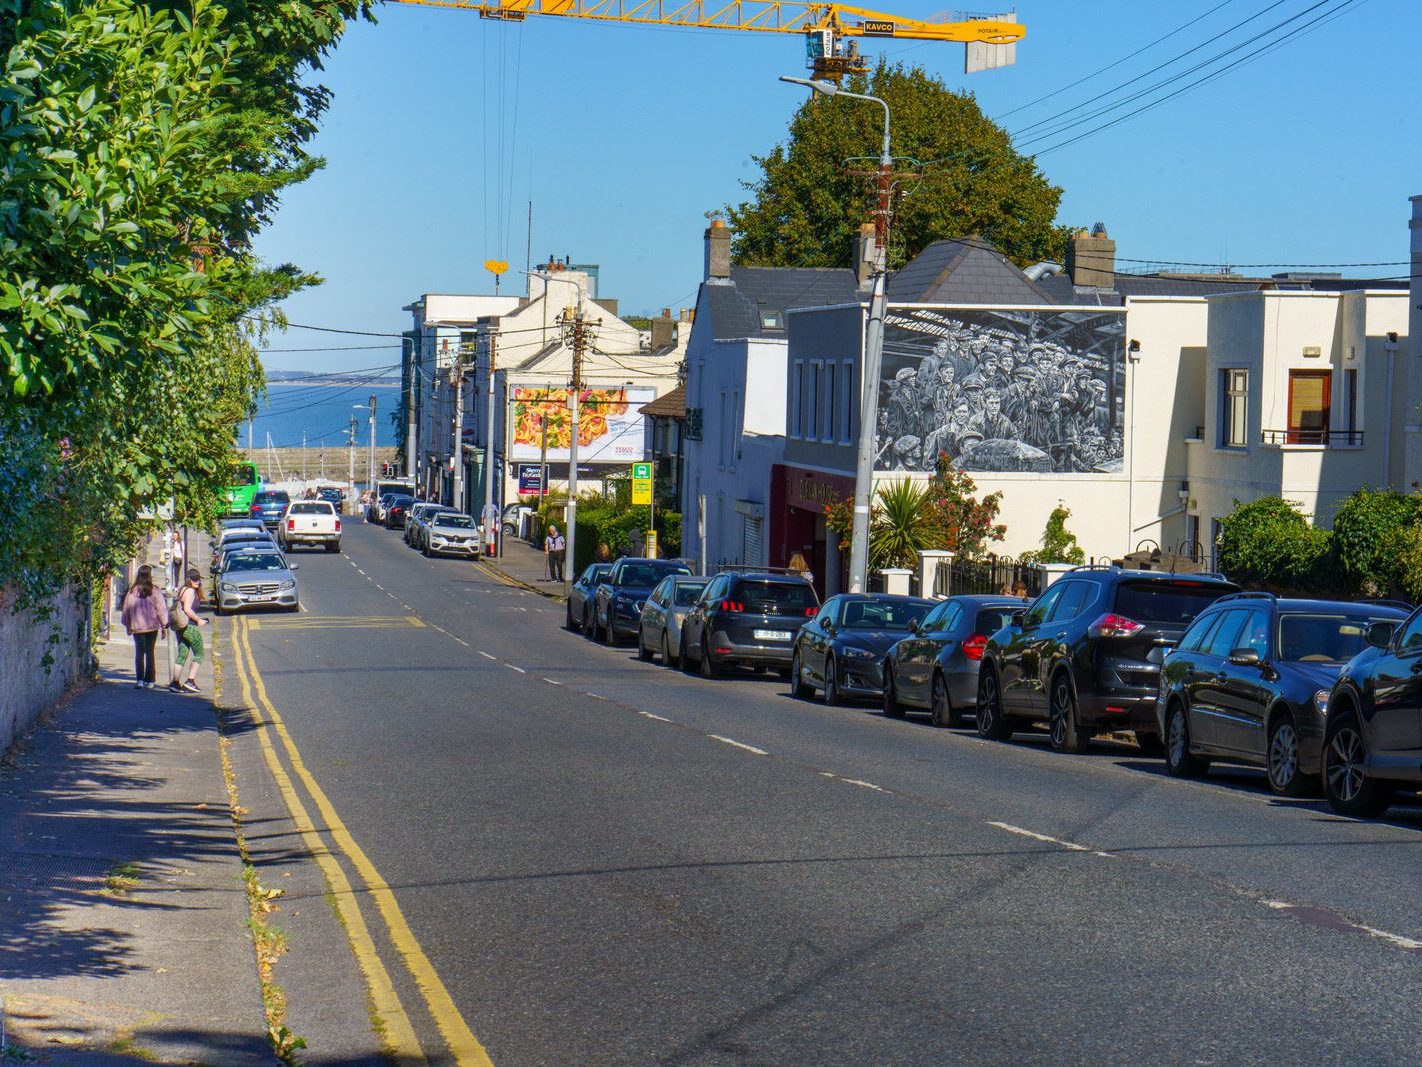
(1258,266)
(321,329)
(336,348)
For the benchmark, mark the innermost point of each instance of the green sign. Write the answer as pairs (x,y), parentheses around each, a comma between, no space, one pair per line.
(641,483)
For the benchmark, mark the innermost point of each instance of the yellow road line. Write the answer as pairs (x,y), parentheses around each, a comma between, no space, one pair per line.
(334,622)
(460,1040)
(399,1032)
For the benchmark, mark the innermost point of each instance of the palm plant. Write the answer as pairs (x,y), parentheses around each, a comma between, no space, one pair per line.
(903,522)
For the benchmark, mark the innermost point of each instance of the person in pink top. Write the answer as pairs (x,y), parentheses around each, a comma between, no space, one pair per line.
(144,615)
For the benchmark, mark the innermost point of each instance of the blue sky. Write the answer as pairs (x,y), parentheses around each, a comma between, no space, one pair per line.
(444,125)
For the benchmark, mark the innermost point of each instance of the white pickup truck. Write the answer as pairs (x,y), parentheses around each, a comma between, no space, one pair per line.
(310,522)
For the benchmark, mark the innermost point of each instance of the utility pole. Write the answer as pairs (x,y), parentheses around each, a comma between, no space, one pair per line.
(303,455)
(580,332)
(491,523)
(412,369)
(350,456)
(458,374)
(372,442)
(542,454)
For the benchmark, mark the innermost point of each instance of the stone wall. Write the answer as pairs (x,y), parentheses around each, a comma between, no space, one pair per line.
(26,688)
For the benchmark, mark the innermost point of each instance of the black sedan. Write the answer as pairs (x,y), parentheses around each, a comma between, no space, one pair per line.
(395,513)
(842,649)
(617,602)
(1372,746)
(1249,683)
(580,596)
(936,666)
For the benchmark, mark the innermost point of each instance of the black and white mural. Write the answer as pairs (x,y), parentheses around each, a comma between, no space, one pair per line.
(1002,390)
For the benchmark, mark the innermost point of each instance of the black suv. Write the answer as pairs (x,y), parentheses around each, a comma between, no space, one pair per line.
(1084,657)
(1249,683)
(1372,746)
(748,618)
(617,601)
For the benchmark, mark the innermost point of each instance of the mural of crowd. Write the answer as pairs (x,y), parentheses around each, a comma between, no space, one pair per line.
(1001,391)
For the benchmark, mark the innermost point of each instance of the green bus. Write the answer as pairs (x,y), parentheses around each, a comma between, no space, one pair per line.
(243,486)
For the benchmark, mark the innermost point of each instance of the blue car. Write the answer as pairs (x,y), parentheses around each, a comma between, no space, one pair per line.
(270,505)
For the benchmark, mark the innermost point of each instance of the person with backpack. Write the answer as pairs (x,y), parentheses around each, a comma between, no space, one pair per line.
(144,614)
(187,625)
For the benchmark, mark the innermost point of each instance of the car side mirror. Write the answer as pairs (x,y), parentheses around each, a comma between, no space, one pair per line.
(1019,618)
(1245,657)
(1380,634)
(293,566)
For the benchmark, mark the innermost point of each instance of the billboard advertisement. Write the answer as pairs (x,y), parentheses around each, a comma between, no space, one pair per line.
(610,423)
(1002,389)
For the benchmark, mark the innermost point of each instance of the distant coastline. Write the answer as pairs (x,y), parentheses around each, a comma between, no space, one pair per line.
(316,378)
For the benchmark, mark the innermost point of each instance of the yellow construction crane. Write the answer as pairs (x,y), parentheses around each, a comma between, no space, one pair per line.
(829,29)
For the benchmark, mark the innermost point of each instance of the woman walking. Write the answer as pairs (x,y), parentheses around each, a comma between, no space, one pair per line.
(144,615)
(187,625)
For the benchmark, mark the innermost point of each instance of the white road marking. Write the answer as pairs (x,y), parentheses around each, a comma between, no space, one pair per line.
(595,696)
(1337,922)
(1069,845)
(552,681)
(649,715)
(485,654)
(511,667)
(738,744)
(861,782)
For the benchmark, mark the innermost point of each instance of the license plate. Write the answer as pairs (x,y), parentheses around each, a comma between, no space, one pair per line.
(772,635)
(261,599)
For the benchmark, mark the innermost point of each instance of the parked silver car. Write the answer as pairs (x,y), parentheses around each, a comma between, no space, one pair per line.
(417,521)
(448,533)
(659,629)
(256,577)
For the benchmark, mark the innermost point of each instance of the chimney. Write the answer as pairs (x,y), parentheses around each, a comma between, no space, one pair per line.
(1091,259)
(864,255)
(718,250)
(608,304)
(663,330)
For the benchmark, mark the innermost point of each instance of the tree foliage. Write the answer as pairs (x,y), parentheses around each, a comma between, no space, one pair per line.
(1365,533)
(907,515)
(806,209)
(1059,545)
(1270,543)
(140,150)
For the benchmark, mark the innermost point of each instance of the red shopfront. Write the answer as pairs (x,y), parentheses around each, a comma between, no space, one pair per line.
(798,497)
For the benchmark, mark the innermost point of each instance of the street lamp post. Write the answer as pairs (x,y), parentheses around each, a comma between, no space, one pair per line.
(873,344)
(372,442)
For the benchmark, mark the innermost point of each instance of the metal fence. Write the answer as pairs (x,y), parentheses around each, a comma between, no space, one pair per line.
(987,577)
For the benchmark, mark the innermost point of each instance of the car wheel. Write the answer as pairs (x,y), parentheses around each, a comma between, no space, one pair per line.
(1180,762)
(709,667)
(1150,744)
(336,547)
(1282,750)
(1064,721)
(568,617)
(992,724)
(798,689)
(294,608)
(643,652)
(893,707)
(589,621)
(1345,777)
(683,658)
(941,710)
(609,635)
(668,660)
(833,697)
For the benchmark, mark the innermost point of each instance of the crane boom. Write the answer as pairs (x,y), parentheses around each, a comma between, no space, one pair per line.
(824,24)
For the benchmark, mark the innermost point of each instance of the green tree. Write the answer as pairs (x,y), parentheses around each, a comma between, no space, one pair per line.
(806,209)
(1364,538)
(1059,545)
(1270,543)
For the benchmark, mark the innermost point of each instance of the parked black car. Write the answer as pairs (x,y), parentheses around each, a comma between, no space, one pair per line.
(1249,683)
(580,595)
(842,649)
(1372,746)
(269,505)
(617,602)
(936,666)
(748,618)
(336,497)
(1084,657)
(395,512)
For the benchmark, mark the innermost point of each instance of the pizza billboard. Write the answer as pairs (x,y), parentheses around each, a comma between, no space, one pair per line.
(611,427)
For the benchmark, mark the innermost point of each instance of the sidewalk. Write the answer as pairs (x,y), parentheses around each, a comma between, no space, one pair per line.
(526,566)
(123,928)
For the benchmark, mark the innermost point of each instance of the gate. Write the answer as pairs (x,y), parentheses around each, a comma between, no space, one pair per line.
(986,577)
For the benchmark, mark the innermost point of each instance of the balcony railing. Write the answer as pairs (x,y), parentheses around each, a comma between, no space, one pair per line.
(1326,438)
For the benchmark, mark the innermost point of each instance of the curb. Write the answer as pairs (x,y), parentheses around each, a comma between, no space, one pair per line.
(503,575)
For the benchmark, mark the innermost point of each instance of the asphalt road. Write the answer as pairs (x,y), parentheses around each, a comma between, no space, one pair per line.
(606,862)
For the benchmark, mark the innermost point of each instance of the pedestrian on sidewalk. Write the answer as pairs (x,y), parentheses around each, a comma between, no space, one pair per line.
(175,556)
(187,624)
(144,615)
(555,548)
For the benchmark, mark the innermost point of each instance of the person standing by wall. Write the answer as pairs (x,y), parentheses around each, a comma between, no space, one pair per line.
(175,556)
(556,548)
(144,615)
(188,624)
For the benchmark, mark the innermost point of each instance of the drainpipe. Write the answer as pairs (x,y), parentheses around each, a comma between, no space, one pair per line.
(1391,345)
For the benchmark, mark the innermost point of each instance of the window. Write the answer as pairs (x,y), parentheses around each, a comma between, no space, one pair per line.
(1044,603)
(1198,636)
(737,413)
(1254,635)
(1350,403)
(797,386)
(725,430)
(1174,603)
(812,416)
(1411,639)
(846,390)
(828,610)
(1225,638)
(942,619)
(831,401)
(1310,395)
(1234,408)
(1072,602)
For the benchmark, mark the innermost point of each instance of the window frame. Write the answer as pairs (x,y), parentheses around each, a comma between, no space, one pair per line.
(1234,401)
(1310,435)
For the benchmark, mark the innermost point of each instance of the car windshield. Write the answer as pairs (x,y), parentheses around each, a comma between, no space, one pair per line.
(685,594)
(991,620)
(648,574)
(775,598)
(311,507)
(1171,603)
(1325,637)
(274,496)
(257,561)
(883,614)
(457,522)
(401,501)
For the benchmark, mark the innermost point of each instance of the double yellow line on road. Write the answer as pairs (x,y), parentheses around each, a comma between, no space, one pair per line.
(399,1032)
